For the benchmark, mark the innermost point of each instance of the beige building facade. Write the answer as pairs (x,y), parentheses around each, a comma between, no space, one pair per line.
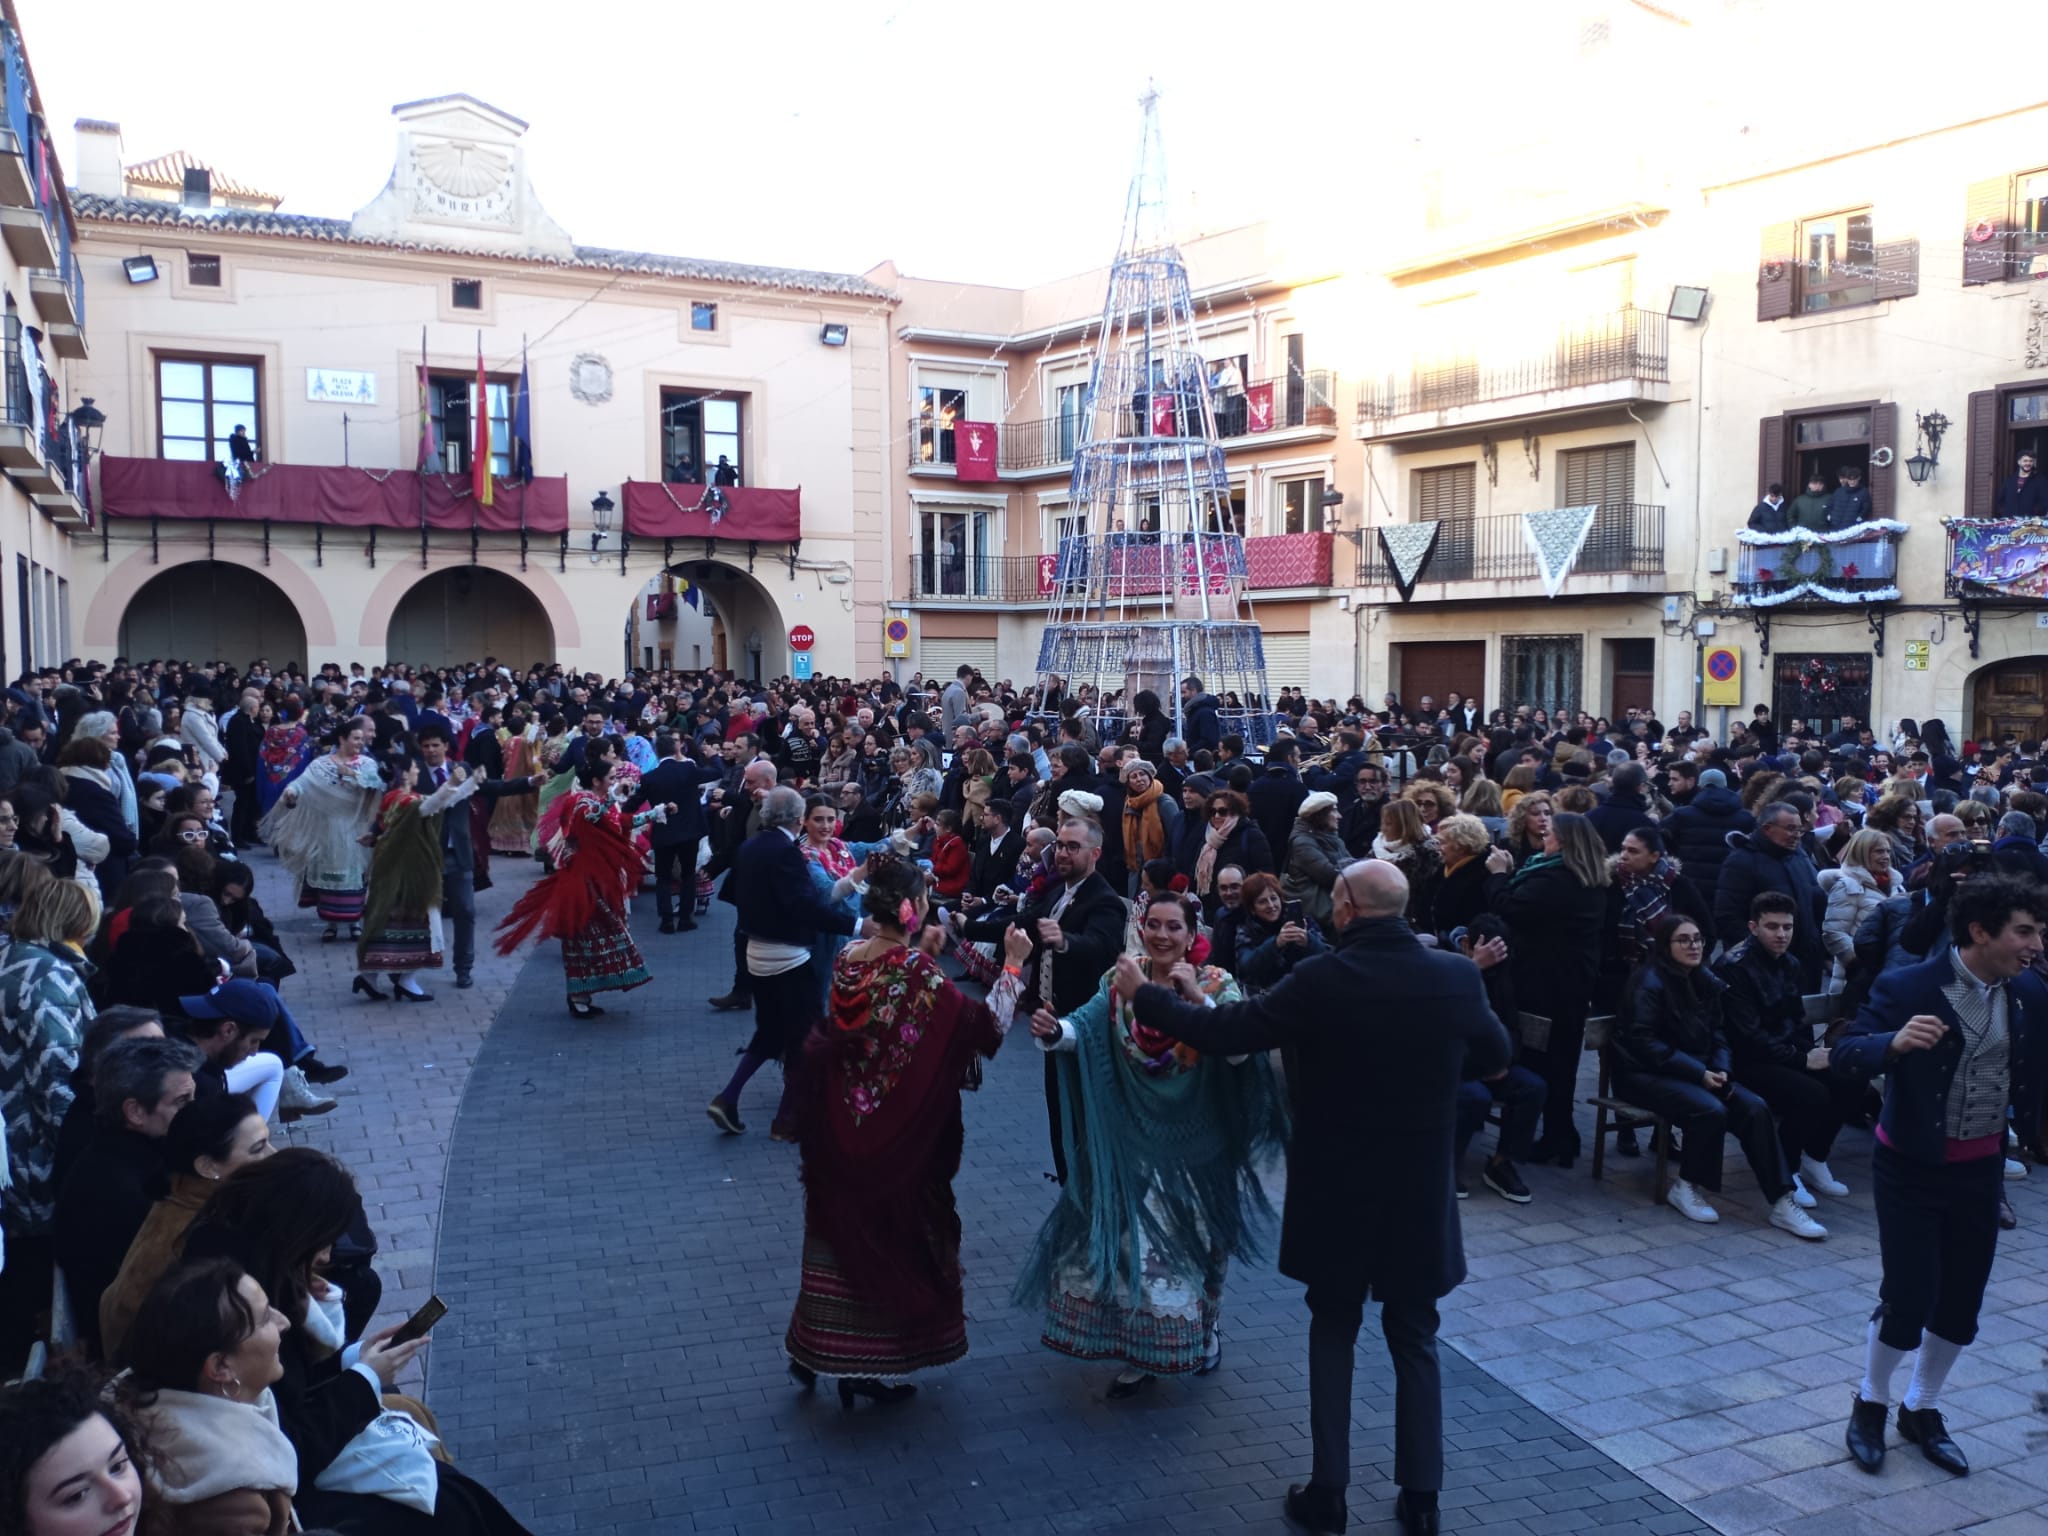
(642,372)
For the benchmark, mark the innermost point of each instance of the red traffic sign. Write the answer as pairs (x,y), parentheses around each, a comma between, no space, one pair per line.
(1721,665)
(899,630)
(801,638)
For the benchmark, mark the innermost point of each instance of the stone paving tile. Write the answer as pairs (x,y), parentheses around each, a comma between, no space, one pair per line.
(620,1277)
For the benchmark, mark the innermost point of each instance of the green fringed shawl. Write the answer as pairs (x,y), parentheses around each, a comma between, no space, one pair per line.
(1192,1139)
(405,868)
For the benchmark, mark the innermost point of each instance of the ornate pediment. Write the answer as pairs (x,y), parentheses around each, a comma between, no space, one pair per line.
(460,179)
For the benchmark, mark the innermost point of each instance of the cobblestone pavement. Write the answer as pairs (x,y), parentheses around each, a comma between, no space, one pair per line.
(620,1278)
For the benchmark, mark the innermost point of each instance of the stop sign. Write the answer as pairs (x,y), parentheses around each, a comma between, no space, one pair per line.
(801,638)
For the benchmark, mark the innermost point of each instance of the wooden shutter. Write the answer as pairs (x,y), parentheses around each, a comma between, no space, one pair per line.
(1980,471)
(1898,269)
(1987,231)
(1884,487)
(1287,660)
(1776,269)
(1770,457)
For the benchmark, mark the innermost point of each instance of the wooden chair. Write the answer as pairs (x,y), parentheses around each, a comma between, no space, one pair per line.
(1611,1113)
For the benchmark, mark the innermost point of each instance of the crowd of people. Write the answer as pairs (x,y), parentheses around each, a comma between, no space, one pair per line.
(911,868)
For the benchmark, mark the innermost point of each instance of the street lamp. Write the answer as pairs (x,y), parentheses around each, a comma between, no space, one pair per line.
(600,522)
(1933,427)
(87,421)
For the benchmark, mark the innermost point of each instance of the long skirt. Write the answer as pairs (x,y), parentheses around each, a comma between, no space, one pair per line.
(1165,1329)
(604,958)
(512,823)
(835,1332)
(334,906)
(408,941)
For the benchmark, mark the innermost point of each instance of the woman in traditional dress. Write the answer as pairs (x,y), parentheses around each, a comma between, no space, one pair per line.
(402,916)
(286,750)
(880,1295)
(836,872)
(1164,1147)
(320,827)
(561,780)
(594,869)
(513,816)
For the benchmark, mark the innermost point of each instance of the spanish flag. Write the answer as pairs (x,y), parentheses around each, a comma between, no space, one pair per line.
(480,454)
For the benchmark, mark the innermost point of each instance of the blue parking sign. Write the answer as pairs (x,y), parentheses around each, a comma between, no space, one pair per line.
(800,665)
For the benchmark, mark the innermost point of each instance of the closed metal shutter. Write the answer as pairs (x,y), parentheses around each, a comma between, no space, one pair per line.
(1286,661)
(942,658)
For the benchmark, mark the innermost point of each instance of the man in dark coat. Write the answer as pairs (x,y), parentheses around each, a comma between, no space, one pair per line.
(2024,494)
(458,845)
(1626,808)
(1850,504)
(1374,1088)
(1770,859)
(1077,928)
(1360,822)
(1769,515)
(1000,847)
(243,738)
(1200,719)
(1277,793)
(1698,830)
(675,780)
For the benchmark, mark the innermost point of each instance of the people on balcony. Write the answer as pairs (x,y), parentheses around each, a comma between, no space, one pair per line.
(1850,503)
(1769,515)
(1810,507)
(2023,493)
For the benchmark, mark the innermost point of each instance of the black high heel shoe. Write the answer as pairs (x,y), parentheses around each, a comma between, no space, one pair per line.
(583,1010)
(882,1392)
(368,988)
(803,1376)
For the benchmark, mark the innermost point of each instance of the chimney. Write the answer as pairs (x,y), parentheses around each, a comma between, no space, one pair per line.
(198,187)
(97,165)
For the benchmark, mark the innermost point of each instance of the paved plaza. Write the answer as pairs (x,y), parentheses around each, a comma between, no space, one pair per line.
(620,1277)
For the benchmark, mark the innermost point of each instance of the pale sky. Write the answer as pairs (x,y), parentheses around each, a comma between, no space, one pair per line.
(983,142)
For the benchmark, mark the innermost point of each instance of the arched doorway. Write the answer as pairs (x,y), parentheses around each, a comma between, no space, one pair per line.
(210,610)
(2009,696)
(466,613)
(740,628)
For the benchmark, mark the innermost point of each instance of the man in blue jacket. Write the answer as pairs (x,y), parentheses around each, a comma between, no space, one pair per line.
(1959,1040)
(1201,723)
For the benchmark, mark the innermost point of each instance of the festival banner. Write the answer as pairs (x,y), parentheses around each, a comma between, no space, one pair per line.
(1258,408)
(974,449)
(1162,416)
(1556,535)
(1407,548)
(2008,554)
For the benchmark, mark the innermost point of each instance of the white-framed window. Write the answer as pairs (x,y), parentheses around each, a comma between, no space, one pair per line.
(958,547)
(1069,402)
(941,398)
(201,400)
(1297,505)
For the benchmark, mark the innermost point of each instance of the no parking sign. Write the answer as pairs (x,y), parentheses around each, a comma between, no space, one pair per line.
(1721,675)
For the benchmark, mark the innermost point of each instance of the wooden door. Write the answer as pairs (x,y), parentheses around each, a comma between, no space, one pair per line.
(1440,668)
(2012,696)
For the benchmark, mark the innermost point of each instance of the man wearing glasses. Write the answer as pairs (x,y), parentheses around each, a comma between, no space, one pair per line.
(1360,823)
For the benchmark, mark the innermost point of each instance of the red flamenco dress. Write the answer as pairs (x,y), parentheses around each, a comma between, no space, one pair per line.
(881,1131)
(582,900)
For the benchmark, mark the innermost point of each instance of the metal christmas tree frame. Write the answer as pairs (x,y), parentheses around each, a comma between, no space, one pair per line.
(1154,589)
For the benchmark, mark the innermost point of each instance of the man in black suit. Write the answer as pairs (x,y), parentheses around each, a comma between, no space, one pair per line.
(458,847)
(243,738)
(1371,1205)
(781,914)
(1077,931)
(1002,845)
(2024,494)
(677,781)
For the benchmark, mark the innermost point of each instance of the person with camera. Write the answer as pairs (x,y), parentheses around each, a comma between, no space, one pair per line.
(1273,935)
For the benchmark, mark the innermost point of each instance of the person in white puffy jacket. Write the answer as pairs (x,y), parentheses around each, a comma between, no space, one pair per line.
(200,731)
(1862,879)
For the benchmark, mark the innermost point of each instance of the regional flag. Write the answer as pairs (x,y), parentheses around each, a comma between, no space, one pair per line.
(522,424)
(480,453)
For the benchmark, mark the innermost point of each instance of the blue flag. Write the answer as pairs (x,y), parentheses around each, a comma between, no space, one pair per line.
(522,425)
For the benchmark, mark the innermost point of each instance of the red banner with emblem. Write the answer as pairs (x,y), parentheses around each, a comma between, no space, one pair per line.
(1258,408)
(974,449)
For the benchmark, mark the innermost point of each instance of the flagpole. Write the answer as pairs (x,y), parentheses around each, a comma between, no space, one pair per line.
(420,471)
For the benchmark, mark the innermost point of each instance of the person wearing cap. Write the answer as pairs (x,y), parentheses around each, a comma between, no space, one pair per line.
(1315,856)
(229,1025)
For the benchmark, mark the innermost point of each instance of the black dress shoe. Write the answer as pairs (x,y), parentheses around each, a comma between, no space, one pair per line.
(1316,1509)
(1120,1390)
(686,925)
(1866,1433)
(464,981)
(668,925)
(317,1071)
(1415,1520)
(731,1001)
(1923,1426)
(883,1392)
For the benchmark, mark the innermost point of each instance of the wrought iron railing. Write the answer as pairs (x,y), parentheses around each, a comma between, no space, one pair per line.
(1627,538)
(1628,344)
(1829,568)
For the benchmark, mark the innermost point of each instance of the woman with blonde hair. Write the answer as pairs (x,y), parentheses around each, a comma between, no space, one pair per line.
(1483,800)
(1435,801)
(1528,825)
(1521,780)
(1865,877)
(1761,789)
(1405,842)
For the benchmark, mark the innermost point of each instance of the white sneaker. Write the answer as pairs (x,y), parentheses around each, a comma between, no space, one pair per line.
(1800,1197)
(1690,1203)
(1816,1176)
(1786,1214)
(2015,1169)
(301,1095)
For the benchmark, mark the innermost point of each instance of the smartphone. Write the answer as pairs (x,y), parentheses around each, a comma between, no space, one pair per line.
(1290,912)
(417,1326)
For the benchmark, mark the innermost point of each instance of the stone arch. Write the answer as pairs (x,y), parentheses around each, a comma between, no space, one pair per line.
(539,585)
(212,610)
(125,579)
(464,613)
(747,610)
(1997,641)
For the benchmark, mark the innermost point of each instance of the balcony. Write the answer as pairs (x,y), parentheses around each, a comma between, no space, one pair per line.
(59,296)
(20,141)
(1617,359)
(333,495)
(1806,569)
(1489,557)
(2002,559)
(1297,408)
(1278,562)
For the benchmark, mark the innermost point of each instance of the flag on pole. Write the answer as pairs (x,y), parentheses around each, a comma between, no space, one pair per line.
(426,454)
(480,454)
(688,591)
(522,425)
